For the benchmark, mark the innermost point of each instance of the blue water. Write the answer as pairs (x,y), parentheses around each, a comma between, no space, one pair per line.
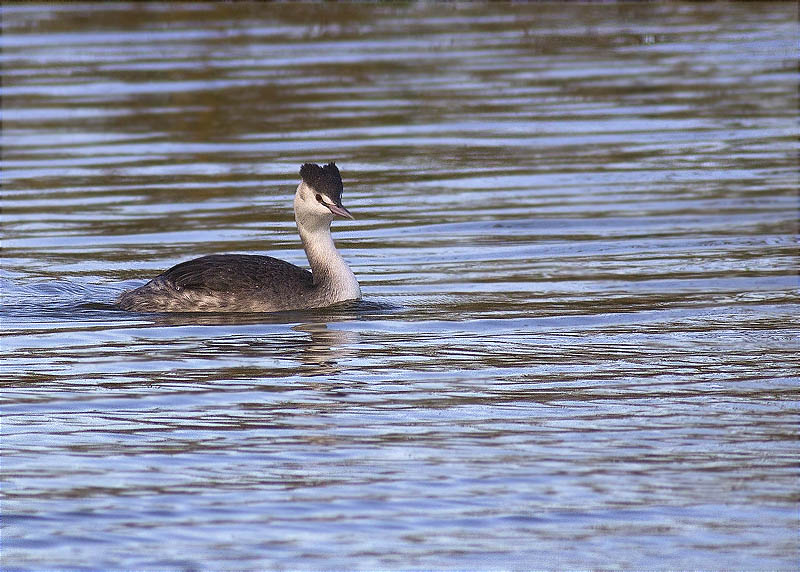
(576,235)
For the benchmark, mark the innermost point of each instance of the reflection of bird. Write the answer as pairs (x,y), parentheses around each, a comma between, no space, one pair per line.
(326,348)
(250,283)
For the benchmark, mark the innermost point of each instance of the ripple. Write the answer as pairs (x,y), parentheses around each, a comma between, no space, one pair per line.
(576,239)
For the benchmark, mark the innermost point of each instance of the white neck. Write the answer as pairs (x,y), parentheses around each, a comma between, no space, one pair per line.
(332,275)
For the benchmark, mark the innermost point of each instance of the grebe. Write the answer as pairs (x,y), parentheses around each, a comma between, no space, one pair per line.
(251,283)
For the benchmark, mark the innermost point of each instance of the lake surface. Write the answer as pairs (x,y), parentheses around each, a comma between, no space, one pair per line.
(576,238)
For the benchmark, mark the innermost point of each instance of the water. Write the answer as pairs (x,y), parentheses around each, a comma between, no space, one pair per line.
(576,236)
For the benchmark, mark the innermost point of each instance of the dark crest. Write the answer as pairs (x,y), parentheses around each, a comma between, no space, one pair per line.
(325,180)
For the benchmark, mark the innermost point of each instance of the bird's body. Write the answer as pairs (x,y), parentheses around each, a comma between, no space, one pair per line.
(252,283)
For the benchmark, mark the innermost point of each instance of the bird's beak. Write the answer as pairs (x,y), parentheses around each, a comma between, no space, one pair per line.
(339,210)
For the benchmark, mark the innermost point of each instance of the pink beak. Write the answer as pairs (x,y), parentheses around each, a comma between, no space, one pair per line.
(340,211)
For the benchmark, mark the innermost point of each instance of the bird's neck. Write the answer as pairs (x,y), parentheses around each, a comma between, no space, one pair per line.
(331,273)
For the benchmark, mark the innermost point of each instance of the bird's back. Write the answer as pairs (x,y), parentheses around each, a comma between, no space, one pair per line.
(224,283)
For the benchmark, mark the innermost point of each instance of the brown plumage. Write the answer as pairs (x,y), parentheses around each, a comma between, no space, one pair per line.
(252,283)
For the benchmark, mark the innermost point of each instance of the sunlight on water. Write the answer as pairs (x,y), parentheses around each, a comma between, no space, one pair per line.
(576,236)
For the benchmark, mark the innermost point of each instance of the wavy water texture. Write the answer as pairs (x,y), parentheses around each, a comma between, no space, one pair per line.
(576,235)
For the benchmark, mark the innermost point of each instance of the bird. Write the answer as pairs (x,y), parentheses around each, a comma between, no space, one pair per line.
(256,283)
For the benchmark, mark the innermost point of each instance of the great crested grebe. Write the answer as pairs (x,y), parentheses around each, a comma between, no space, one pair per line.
(252,283)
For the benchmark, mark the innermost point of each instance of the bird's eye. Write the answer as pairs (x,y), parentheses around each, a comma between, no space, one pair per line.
(319,198)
